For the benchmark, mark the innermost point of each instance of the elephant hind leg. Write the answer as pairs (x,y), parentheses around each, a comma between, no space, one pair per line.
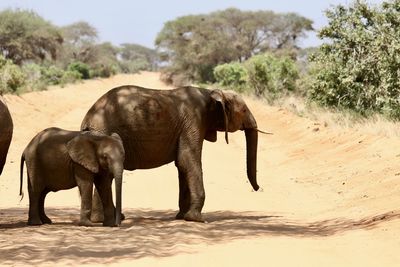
(42,214)
(34,206)
(189,166)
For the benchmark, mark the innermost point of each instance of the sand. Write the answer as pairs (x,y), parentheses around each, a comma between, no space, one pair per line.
(331,196)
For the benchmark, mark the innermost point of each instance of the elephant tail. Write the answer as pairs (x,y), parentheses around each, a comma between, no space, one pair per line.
(21,192)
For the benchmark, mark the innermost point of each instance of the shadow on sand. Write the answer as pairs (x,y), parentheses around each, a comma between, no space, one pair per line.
(148,233)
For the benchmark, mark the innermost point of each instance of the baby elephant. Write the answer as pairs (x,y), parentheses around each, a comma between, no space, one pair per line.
(57,159)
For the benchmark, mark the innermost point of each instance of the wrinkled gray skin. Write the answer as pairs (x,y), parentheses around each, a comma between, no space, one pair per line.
(6,131)
(57,159)
(161,126)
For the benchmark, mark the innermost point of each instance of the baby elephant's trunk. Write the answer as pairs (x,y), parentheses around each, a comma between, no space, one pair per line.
(118,199)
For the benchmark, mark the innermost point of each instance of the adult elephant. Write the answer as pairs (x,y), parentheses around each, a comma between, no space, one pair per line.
(6,131)
(161,126)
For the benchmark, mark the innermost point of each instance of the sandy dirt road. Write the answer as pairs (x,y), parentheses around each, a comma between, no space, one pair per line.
(331,197)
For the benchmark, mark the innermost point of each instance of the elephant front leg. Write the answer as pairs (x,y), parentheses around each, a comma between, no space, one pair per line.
(85,185)
(97,215)
(103,186)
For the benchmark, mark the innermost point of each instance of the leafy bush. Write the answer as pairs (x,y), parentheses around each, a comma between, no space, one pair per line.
(39,77)
(358,68)
(104,71)
(265,75)
(70,77)
(52,75)
(11,76)
(271,76)
(34,81)
(230,74)
(80,68)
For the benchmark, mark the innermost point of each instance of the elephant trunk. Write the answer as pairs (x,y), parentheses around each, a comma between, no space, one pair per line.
(250,129)
(118,197)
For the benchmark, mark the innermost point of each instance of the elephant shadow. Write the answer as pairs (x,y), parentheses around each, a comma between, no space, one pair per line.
(149,233)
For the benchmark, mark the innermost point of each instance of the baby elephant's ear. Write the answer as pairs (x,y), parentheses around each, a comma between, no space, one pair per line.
(115,135)
(83,151)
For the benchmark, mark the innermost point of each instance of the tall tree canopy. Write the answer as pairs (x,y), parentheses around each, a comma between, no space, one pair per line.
(24,35)
(79,42)
(195,44)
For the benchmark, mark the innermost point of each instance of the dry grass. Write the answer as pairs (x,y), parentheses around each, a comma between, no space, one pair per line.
(340,120)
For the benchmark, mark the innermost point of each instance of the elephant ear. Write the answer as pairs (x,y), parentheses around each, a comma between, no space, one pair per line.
(219,97)
(117,137)
(83,151)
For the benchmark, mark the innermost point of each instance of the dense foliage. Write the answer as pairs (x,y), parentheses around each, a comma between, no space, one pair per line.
(265,75)
(358,67)
(34,53)
(193,45)
(24,35)
(11,77)
(231,74)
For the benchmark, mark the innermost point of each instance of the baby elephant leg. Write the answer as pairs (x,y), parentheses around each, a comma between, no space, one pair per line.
(84,180)
(34,203)
(97,215)
(103,186)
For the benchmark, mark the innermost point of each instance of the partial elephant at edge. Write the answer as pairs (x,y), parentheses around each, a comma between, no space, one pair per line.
(6,132)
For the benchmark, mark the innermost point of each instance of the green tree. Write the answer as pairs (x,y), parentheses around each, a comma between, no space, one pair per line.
(136,57)
(358,67)
(80,39)
(105,62)
(195,44)
(24,35)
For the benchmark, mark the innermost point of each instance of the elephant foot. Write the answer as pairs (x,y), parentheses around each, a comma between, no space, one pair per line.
(180,215)
(97,217)
(193,216)
(109,223)
(46,220)
(36,221)
(85,222)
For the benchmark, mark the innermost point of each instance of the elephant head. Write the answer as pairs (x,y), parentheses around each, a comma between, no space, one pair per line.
(230,113)
(98,152)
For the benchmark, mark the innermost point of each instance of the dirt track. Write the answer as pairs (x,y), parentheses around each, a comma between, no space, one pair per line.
(331,197)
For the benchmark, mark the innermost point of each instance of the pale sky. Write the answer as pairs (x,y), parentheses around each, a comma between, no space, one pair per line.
(128,21)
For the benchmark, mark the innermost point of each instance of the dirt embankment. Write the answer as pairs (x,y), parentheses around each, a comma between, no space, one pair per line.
(331,197)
